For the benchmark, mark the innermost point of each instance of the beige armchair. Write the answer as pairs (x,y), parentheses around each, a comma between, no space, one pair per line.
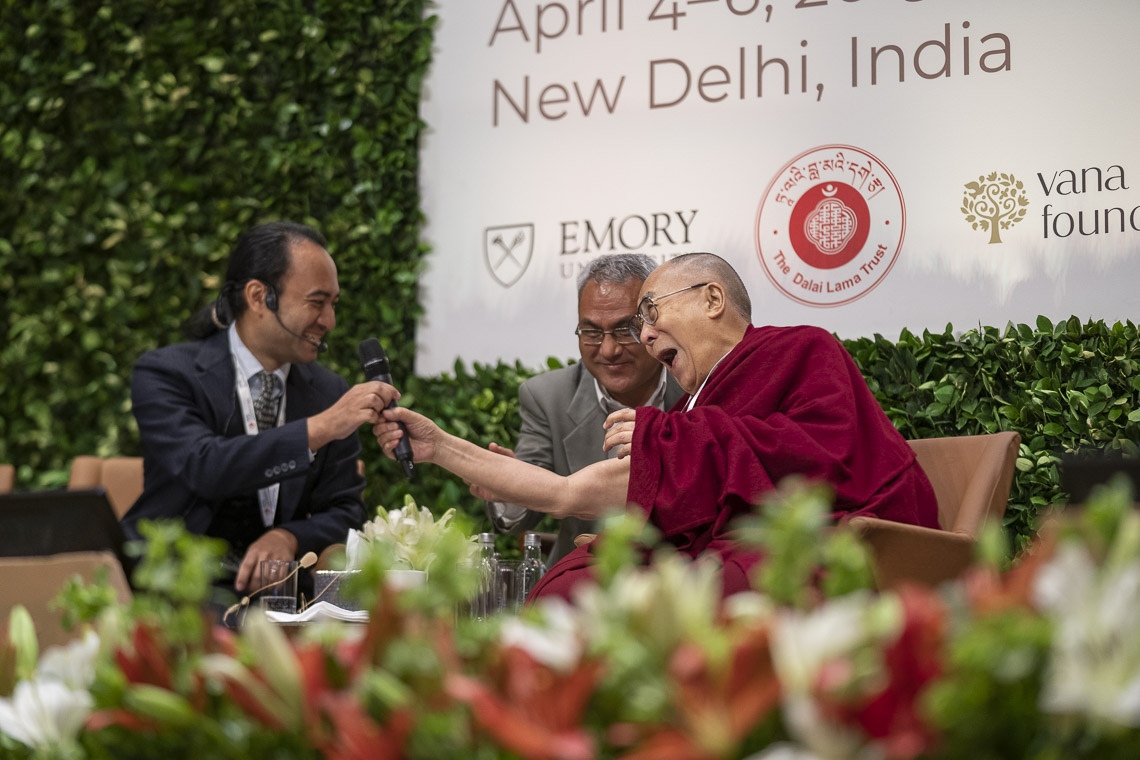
(120,477)
(971,476)
(35,581)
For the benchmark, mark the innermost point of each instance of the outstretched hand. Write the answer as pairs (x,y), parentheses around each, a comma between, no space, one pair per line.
(424,434)
(480,492)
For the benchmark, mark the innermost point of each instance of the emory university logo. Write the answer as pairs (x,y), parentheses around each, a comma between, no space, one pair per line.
(507,250)
(830,225)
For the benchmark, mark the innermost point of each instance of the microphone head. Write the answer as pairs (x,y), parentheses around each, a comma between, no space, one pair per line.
(369,350)
(308,560)
(373,360)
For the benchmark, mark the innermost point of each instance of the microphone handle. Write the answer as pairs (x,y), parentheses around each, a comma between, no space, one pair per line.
(403,450)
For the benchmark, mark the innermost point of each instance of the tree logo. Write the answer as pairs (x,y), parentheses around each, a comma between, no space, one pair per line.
(995,202)
(830,225)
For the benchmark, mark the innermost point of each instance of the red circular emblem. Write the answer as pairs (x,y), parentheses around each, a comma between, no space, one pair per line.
(830,225)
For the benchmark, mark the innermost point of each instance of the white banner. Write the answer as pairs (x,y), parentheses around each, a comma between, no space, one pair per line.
(867,165)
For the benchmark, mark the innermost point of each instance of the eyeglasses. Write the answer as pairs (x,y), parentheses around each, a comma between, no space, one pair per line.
(647,309)
(592,336)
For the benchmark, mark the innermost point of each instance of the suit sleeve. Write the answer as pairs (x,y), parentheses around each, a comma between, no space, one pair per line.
(534,446)
(332,505)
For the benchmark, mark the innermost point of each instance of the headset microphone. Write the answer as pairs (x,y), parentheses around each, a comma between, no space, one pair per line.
(271,304)
(306,561)
(375,364)
(320,344)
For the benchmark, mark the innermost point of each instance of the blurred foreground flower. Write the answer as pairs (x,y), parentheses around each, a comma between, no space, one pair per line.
(48,710)
(854,672)
(1093,603)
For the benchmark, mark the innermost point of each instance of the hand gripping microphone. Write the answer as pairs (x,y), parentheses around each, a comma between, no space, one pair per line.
(375,364)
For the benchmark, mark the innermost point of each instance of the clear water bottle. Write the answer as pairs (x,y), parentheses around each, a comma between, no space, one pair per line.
(530,569)
(486,601)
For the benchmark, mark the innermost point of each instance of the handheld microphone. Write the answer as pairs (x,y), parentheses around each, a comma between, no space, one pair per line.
(375,364)
(320,344)
(307,561)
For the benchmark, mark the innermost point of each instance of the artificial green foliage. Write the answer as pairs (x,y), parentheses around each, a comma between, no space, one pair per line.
(139,138)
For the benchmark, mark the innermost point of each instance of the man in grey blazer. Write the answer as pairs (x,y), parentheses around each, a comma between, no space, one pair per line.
(563,410)
(244,436)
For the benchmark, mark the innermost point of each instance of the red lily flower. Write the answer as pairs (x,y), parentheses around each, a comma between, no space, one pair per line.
(355,735)
(148,663)
(532,709)
(717,707)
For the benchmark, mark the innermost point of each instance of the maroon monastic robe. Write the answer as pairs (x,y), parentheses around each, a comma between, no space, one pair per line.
(785,401)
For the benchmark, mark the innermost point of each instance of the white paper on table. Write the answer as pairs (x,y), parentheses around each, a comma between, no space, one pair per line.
(319,611)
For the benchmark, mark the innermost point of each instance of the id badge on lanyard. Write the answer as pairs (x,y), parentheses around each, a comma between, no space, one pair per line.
(266,497)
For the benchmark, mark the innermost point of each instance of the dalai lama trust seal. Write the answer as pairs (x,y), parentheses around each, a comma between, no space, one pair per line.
(830,225)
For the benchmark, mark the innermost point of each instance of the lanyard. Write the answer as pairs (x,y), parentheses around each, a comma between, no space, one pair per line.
(266,497)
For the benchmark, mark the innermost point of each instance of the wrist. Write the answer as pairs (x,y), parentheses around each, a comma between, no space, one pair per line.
(316,433)
(289,539)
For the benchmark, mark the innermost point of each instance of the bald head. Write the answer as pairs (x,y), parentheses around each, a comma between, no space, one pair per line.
(694,310)
(708,267)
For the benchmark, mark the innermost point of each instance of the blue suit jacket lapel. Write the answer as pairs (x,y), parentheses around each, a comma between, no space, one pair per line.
(214,370)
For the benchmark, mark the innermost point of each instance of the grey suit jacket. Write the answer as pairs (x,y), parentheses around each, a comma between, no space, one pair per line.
(196,456)
(562,432)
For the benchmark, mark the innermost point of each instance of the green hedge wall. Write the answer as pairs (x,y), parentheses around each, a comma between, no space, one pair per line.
(138,138)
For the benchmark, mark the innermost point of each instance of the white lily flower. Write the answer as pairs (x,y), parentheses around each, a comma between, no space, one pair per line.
(556,642)
(1094,666)
(50,709)
(44,713)
(672,600)
(412,532)
(73,664)
(784,751)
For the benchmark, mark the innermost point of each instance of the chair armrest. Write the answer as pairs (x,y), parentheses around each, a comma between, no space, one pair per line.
(910,553)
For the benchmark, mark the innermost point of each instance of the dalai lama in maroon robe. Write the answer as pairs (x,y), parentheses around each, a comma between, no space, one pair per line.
(763,403)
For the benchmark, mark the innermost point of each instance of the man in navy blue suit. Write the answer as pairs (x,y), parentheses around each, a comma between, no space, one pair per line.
(244,436)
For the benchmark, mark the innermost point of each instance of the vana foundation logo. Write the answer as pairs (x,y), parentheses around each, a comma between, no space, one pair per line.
(830,225)
(994,202)
(1082,202)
